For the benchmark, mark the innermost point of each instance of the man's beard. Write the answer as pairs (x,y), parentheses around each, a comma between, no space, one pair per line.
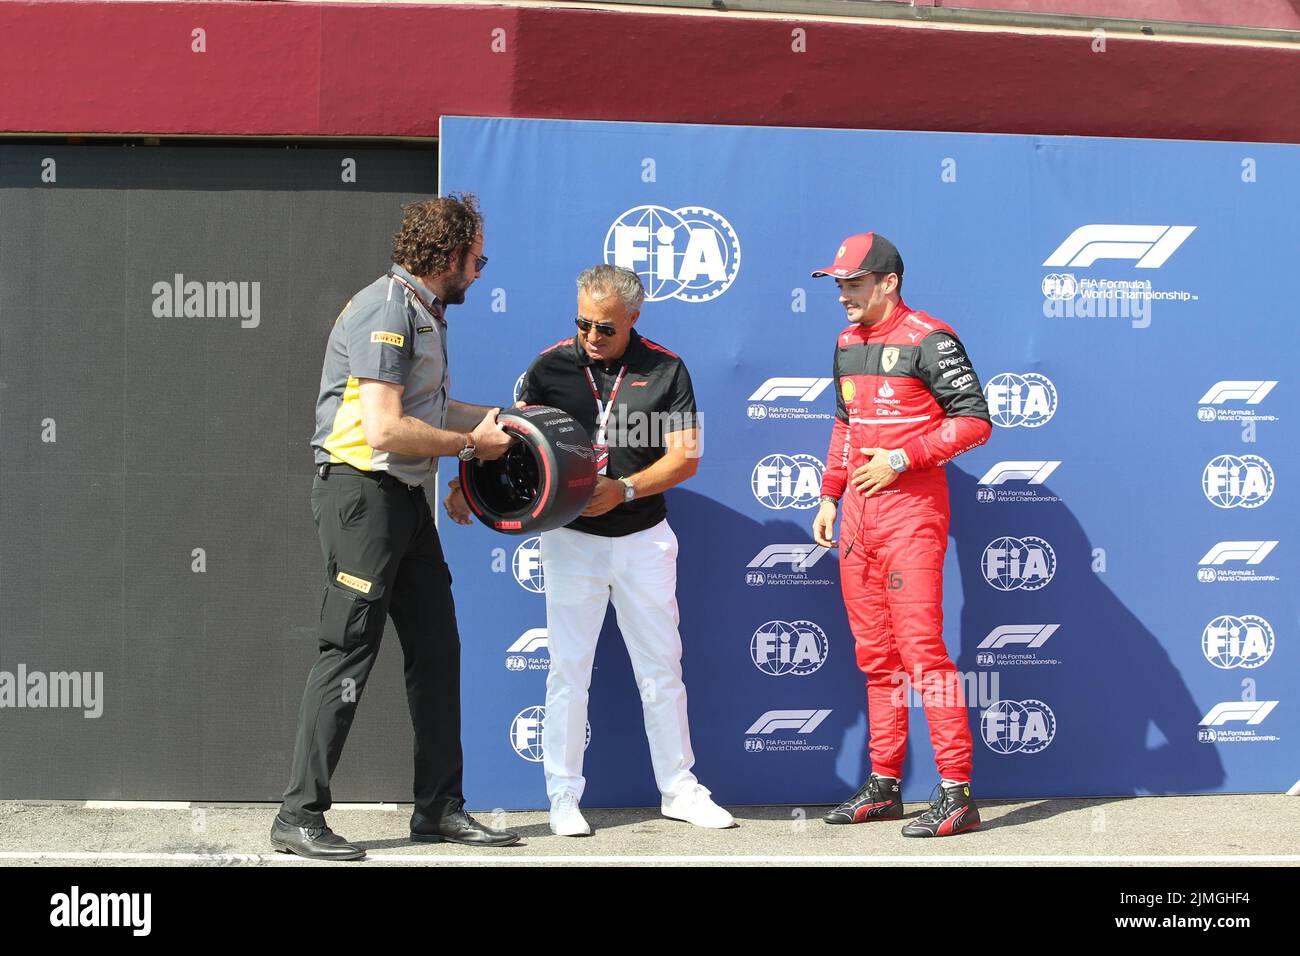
(454,295)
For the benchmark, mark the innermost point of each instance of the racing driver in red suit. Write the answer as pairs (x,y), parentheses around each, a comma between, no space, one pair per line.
(908,403)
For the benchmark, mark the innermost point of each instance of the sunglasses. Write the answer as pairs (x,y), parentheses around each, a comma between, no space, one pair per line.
(480,262)
(585,325)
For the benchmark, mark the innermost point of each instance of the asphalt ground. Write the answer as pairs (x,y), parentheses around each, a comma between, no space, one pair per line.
(1231,830)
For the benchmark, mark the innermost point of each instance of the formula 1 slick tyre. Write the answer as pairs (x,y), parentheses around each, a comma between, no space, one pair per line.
(543,481)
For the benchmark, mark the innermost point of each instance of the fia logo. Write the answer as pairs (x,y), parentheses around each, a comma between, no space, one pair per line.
(1013,727)
(1019,564)
(787,481)
(527,733)
(795,647)
(1247,641)
(527,565)
(1020,401)
(1232,481)
(691,253)
(1060,285)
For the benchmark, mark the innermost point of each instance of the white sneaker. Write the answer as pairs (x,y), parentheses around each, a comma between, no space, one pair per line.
(695,805)
(566,818)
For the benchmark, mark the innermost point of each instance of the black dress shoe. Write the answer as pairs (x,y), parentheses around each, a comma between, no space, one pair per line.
(460,827)
(314,843)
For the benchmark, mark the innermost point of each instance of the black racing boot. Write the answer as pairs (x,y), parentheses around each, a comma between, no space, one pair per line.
(954,812)
(877,799)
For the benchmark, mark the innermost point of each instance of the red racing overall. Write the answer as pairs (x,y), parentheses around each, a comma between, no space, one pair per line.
(904,382)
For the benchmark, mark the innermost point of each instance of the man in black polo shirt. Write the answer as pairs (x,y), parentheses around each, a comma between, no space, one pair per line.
(635,399)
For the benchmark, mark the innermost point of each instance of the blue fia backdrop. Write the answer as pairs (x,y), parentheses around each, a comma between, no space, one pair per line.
(1120,588)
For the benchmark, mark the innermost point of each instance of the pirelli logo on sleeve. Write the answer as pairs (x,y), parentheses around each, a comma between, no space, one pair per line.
(388,338)
(347,580)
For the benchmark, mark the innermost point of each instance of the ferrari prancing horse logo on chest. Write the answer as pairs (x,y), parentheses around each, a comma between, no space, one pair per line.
(889,358)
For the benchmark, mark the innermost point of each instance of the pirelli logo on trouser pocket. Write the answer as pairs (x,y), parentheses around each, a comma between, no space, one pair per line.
(388,338)
(357,584)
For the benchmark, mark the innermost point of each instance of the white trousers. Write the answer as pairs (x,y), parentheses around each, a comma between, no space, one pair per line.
(638,572)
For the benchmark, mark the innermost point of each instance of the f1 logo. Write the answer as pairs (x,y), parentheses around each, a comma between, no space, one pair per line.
(1151,246)
(1030,635)
(1251,711)
(800,557)
(804,721)
(1251,392)
(803,389)
(533,639)
(1036,472)
(1252,552)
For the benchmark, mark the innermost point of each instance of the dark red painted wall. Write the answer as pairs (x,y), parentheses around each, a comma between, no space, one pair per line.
(366,70)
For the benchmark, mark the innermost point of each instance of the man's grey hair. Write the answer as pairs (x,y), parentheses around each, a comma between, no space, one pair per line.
(600,281)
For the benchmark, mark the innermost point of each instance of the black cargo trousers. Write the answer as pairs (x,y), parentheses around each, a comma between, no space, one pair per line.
(382,556)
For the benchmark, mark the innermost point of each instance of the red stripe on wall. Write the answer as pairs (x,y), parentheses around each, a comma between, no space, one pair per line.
(367,70)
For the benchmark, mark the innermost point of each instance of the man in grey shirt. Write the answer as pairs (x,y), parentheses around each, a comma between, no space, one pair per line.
(382,418)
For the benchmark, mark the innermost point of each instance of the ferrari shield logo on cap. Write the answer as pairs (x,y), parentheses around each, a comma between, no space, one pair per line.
(889,358)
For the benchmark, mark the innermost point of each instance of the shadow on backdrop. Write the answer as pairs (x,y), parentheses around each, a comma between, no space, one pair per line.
(1125,720)
(726,691)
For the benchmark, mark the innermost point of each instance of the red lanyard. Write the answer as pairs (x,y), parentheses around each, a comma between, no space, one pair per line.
(431,311)
(603,409)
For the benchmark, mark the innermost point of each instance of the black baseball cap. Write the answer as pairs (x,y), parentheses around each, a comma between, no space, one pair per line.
(863,253)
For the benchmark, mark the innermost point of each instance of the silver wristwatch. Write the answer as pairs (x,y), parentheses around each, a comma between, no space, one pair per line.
(467,453)
(898,461)
(831,499)
(629,490)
